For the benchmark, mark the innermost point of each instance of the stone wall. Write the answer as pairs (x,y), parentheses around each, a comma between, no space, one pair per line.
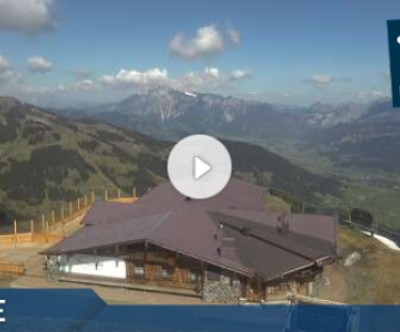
(227,289)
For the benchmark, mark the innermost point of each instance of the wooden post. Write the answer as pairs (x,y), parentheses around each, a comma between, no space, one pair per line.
(373,227)
(53,216)
(47,231)
(119,193)
(15,231)
(79,204)
(32,226)
(350,221)
(43,223)
(134,192)
(62,227)
(62,220)
(106,195)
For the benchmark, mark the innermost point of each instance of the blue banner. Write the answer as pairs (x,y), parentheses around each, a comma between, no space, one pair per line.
(26,310)
(394,52)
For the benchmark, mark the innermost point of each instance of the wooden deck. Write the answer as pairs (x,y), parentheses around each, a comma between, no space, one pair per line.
(133,286)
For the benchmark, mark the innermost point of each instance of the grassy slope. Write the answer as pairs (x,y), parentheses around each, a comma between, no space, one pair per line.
(80,157)
(375,279)
(276,204)
(383,203)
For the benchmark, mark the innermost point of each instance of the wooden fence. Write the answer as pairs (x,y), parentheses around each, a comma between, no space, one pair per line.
(374,229)
(11,268)
(51,226)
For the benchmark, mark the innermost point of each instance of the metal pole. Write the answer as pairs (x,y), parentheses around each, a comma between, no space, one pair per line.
(15,231)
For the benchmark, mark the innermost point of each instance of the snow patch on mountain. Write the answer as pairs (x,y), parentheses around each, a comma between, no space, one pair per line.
(190,94)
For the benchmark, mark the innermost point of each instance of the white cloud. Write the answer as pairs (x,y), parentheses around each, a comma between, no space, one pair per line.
(27,16)
(233,35)
(84,85)
(321,80)
(213,73)
(129,78)
(39,65)
(154,77)
(7,73)
(210,77)
(208,40)
(239,74)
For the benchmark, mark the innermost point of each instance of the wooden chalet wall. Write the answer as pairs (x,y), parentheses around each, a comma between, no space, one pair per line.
(165,268)
(161,267)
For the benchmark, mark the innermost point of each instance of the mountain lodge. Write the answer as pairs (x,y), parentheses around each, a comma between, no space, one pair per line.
(224,248)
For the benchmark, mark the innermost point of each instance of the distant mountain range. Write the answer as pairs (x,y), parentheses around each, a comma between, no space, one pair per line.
(46,159)
(370,141)
(364,135)
(167,113)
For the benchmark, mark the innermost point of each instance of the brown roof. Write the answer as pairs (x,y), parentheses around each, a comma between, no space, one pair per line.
(316,226)
(269,251)
(236,195)
(249,241)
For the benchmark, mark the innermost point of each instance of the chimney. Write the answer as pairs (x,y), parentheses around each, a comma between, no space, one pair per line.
(283,224)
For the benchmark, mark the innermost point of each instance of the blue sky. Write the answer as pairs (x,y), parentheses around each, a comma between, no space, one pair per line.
(65,52)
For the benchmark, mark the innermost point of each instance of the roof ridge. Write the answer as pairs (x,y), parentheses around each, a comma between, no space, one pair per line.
(269,241)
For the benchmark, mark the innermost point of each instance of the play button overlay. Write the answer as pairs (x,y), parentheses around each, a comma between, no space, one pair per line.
(199,166)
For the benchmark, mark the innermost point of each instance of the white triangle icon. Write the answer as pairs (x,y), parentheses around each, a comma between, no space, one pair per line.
(200,167)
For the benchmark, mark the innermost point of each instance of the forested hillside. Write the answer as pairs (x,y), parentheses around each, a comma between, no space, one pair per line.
(46,159)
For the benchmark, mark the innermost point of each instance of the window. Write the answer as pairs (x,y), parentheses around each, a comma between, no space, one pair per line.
(138,270)
(167,273)
(193,276)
